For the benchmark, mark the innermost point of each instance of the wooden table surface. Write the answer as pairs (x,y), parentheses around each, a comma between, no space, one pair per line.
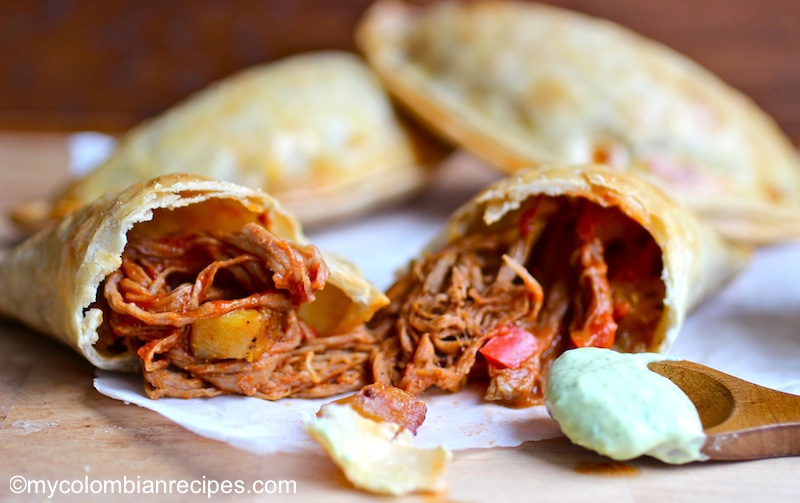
(55,427)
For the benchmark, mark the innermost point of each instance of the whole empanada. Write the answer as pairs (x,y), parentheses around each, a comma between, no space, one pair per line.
(316,130)
(521,84)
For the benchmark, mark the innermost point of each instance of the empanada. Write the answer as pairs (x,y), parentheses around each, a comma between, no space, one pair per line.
(207,286)
(542,261)
(522,84)
(315,130)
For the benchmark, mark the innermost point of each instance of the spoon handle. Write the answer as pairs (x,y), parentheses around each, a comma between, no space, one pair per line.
(764,423)
(741,420)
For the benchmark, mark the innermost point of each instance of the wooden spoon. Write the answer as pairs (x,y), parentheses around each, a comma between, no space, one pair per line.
(741,420)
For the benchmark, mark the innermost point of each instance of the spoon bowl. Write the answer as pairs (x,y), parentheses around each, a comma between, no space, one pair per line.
(741,420)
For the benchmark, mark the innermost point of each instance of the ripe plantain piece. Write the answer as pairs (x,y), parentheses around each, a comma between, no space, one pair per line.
(522,84)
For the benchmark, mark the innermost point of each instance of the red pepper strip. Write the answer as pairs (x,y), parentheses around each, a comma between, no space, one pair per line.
(598,328)
(509,347)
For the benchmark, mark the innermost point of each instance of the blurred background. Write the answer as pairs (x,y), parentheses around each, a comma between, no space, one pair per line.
(71,65)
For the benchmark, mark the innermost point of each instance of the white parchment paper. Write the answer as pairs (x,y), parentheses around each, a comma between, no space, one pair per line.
(750,329)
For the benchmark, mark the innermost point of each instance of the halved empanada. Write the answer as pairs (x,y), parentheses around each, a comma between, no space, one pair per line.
(316,131)
(542,261)
(522,84)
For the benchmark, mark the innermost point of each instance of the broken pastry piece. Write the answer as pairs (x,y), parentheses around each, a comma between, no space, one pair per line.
(370,437)
(540,262)
(316,131)
(205,287)
(522,84)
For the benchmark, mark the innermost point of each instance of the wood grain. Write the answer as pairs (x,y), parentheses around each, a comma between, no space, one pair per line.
(92,64)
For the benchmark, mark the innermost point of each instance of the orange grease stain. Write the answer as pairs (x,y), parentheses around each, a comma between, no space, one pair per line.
(606,468)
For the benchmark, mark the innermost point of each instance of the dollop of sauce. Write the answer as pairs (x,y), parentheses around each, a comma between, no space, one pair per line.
(613,404)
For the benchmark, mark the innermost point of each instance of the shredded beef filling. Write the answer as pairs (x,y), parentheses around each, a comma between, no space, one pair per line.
(567,273)
(168,286)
